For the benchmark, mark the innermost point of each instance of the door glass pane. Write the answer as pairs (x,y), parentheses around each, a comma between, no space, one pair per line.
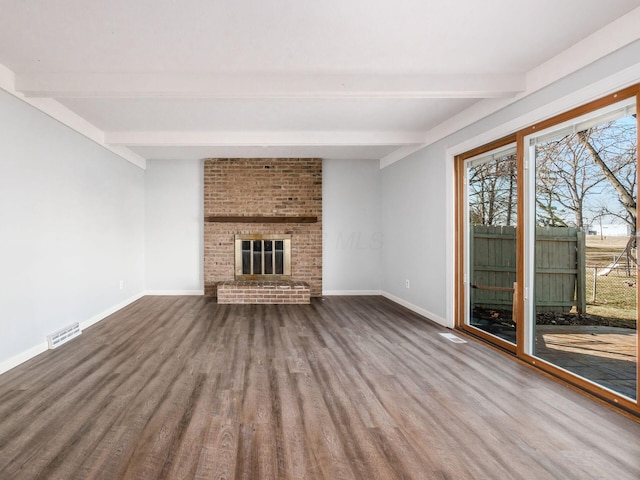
(491,243)
(246,257)
(268,257)
(257,257)
(279,257)
(585,258)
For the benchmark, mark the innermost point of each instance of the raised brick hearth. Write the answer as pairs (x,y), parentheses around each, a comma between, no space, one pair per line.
(263,292)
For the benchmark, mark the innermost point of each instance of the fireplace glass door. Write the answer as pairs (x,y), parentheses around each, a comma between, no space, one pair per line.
(263,257)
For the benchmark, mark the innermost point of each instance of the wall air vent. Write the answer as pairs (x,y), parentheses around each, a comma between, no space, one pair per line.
(64,335)
(453,338)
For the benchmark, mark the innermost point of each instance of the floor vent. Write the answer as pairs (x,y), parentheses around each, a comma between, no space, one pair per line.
(453,338)
(62,336)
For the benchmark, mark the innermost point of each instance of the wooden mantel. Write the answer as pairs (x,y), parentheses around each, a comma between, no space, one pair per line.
(260,219)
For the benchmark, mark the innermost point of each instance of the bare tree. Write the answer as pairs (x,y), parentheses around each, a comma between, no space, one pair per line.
(574,173)
(492,192)
(612,148)
(564,180)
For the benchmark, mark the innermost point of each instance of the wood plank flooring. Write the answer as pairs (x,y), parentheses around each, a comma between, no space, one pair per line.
(344,388)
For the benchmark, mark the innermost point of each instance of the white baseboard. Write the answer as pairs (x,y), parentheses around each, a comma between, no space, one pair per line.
(347,293)
(174,292)
(110,311)
(22,357)
(419,310)
(28,354)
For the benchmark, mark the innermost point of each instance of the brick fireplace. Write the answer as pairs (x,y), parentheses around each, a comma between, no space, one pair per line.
(265,198)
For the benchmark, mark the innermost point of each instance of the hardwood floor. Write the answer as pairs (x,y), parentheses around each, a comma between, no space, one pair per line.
(347,387)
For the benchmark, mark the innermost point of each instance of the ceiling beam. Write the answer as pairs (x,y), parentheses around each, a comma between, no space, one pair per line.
(599,44)
(146,85)
(267,138)
(62,114)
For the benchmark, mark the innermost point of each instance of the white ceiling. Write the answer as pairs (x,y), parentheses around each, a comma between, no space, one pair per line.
(331,78)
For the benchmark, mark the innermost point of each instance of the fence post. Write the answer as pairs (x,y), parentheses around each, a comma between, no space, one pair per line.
(581,280)
(595,275)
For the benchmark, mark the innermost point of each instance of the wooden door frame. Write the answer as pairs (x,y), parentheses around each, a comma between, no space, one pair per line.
(518,312)
(460,241)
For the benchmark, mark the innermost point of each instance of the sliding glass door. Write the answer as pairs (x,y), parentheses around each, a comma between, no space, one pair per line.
(581,252)
(490,197)
(547,245)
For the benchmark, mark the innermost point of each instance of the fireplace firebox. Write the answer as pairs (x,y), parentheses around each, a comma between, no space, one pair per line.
(263,257)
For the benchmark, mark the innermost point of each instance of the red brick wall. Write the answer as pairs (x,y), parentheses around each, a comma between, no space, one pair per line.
(263,187)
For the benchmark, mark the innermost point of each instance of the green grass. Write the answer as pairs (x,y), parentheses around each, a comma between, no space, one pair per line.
(612,312)
(616,295)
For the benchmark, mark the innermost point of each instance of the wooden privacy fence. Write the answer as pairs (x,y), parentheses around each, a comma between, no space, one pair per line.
(492,256)
(560,267)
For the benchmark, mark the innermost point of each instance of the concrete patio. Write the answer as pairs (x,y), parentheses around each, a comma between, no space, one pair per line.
(605,355)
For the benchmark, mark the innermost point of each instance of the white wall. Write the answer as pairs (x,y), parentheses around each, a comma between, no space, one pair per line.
(71,219)
(352,231)
(351,226)
(173,226)
(414,219)
(417,192)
